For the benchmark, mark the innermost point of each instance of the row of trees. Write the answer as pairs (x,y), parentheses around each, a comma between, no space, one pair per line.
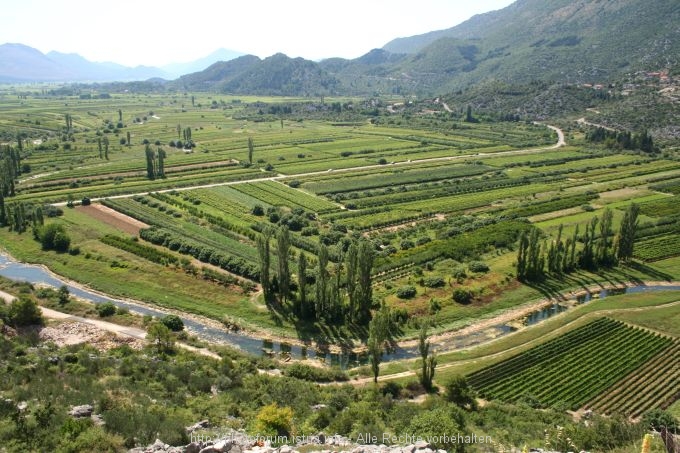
(342,290)
(622,140)
(10,169)
(155,162)
(601,248)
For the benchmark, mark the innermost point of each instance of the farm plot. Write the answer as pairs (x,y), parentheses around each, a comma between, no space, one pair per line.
(573,368)
(653,385)
(395,177)
(657,248)
(660,208)
(277,194)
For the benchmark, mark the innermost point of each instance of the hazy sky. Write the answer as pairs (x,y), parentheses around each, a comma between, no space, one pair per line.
(154,32)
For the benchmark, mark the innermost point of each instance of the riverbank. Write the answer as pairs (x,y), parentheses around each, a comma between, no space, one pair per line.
(257,341)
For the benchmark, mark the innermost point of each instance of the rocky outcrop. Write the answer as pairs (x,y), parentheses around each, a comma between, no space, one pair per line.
(239,442)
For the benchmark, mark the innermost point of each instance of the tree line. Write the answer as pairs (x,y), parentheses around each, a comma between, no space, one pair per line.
(600,247)
(622,139)
(333,292)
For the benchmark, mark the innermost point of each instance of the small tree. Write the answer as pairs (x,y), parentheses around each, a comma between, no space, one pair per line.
(63,295)
(24,312)
(173,322)
(374,356)
(106,309)
(160,336)
(458,392)
(428,362)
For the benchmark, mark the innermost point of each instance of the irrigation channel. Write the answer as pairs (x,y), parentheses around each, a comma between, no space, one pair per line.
(38,275)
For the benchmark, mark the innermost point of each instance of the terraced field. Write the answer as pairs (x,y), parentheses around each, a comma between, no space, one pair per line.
(574,368)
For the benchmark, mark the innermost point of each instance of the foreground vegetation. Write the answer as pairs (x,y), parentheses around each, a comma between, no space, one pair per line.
(141,395)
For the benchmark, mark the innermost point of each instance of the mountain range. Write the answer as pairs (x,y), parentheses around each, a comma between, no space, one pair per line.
(21,63)
(574,41)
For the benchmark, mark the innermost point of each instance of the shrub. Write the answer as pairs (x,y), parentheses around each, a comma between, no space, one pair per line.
(106,309)
(462,296)
(406,292)
(478,266)
(53,237)
(433,282)
(258,210)
(294,183)
(24,312)
(173,322)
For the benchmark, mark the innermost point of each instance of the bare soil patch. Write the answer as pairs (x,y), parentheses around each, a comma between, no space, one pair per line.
(114,218)
(68,333)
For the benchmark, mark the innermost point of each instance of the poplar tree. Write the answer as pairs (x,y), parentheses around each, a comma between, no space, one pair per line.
(264,254)
(321,283)
(302,286)
(428,362)
(106,147)
(351,271)
(251,149)
(627,232)
(150,161)
(364,287)
(283,249)
(603,253)
(160,168)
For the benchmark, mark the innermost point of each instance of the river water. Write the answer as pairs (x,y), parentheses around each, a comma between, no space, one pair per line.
(17,271)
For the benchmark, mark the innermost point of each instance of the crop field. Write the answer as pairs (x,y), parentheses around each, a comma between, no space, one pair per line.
(652,385)
(443,207)
(575,367)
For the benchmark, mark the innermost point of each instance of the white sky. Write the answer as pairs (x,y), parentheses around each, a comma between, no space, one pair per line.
(157,32)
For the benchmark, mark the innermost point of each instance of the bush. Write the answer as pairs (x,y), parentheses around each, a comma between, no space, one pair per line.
(53,237)
(106,309)
(433,282)
(406,292)
(173,322)
(24,312)
(258,210)
(478,266)
(308,373)
(294,183)
(462,296)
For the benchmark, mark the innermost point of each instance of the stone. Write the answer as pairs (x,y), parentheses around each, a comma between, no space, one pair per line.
(223,446)
(98,420)
(198,425)
(159,445)
(285,449)
(209,449)
(236,448)
(85,410)
(409,448)
(192,448)
(422,444)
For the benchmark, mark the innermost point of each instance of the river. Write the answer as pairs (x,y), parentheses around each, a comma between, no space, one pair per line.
(38,275)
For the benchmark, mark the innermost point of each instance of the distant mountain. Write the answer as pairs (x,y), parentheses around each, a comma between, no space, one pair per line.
(106,71)
(557,40)
(22,63)
(275,75)
(175,70)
